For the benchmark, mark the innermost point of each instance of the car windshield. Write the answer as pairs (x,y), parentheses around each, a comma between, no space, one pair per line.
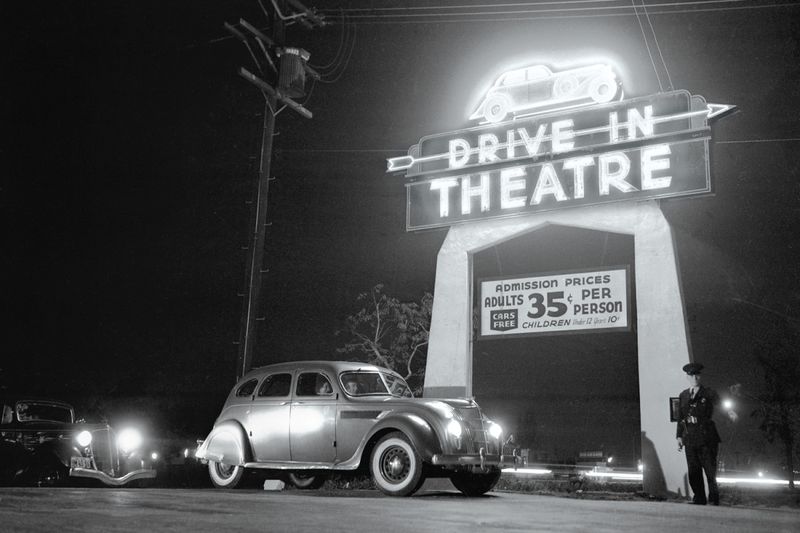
(31,411)
(374,384)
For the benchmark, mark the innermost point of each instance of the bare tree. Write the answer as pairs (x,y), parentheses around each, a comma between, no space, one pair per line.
(390,333)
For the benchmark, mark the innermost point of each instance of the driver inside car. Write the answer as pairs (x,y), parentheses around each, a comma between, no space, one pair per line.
(323,387)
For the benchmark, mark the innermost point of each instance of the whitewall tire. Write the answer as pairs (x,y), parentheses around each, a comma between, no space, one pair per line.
(396,466)
(225,476)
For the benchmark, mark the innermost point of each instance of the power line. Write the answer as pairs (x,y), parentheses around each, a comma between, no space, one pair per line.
(647,45)
(476,6)
(333,63)
(745,141)
(625,11)
(532,7)
(346,62)
(550,14)
(395,150)
(658,47)
(535,8)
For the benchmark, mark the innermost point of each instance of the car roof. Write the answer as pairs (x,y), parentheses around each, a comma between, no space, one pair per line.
(524,69)
(37,399)
(334,367)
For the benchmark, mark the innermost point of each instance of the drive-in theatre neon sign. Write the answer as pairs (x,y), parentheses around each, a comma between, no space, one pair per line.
(648,147)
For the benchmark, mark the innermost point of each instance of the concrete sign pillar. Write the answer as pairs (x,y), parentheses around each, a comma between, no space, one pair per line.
(663,346)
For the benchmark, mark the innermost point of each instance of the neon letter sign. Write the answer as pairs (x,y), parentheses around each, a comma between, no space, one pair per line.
(559,151)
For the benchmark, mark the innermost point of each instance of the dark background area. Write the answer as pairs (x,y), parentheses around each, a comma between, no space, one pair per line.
(130,151)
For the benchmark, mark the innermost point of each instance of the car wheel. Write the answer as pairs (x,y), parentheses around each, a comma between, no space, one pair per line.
(396,466)
(495,109)
(565,86)
(471,484)
(225,476)
(603,89)
(306,481)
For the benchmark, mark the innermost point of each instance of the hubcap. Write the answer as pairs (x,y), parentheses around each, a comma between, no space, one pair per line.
(225,470)
(395,464)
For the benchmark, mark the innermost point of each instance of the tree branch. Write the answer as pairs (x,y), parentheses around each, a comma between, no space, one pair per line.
(411,358)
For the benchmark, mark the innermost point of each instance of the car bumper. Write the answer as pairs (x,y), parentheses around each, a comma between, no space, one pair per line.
(481,459)
(112,481)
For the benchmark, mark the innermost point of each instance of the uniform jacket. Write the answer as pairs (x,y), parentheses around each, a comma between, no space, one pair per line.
(695,426)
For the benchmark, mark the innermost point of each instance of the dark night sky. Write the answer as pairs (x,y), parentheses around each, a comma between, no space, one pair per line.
(129,157)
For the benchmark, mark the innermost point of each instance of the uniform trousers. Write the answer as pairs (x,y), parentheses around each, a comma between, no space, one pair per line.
(699,459)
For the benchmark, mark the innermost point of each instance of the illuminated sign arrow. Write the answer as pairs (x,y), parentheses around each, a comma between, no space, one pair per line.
(522,139)
(717,110)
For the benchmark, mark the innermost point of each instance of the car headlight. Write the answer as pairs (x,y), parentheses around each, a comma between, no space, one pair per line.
(454,428)
(84,439)
(128,440)
(495,430)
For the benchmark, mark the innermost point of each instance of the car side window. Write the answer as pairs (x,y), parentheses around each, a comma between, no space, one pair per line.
(247,388)
(313,384)
(514,77)
(8,414)
(276,385)
(537,73)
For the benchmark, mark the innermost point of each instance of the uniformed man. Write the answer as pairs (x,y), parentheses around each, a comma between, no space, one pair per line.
(698,435)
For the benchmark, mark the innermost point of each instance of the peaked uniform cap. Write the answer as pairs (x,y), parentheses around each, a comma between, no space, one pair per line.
(693,368)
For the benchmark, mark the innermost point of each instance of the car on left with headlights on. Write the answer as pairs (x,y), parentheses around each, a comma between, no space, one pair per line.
(42,443)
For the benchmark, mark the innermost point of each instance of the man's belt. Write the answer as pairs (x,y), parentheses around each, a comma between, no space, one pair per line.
(691,420)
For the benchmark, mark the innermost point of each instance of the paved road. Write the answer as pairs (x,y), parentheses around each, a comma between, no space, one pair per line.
(197,510)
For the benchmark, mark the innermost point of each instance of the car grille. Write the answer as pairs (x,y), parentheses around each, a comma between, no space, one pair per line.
(477,434)
(104,450)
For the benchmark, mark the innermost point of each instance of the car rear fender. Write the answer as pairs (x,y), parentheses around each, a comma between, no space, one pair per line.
(227,443)
(418,430)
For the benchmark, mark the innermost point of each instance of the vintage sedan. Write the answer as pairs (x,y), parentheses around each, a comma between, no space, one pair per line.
(305,420)
(42,443)
(536,89)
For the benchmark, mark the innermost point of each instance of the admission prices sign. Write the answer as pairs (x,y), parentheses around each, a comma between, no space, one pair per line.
(642,148)
(555,303)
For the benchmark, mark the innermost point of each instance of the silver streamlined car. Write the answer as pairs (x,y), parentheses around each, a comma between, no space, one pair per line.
(308,419)
(41,442)
(537,89)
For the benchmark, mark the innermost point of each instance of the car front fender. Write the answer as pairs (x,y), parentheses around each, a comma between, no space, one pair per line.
(417,429)
(227,443)
(59,450)
(478,113)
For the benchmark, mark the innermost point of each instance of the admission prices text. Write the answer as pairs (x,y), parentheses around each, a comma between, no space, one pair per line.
(555,303)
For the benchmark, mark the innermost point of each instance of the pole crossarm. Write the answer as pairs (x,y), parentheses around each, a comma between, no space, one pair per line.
(258,34)
(267,88)
(236,33)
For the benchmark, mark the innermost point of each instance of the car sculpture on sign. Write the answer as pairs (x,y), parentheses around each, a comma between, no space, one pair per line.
(305,420)
(42,443)
(538,89)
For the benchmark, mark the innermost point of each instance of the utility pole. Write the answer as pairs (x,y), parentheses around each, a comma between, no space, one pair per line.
(287,78)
